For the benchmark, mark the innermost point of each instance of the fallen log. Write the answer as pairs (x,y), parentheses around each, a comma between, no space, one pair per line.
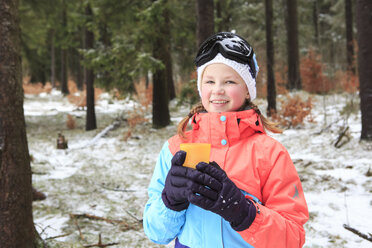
(114,125)
(101,134)
(357,232)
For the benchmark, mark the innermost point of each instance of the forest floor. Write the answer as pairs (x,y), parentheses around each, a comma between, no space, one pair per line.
(98,186)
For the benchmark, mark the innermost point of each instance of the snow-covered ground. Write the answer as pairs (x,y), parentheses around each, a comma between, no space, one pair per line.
(108,176)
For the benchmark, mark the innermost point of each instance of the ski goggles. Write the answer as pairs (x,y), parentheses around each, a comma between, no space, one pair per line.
(231,46)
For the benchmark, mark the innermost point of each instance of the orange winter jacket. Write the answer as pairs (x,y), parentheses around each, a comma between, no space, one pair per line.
(259,166)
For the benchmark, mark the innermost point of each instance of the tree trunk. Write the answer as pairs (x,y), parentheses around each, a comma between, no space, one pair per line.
(53,59)
(364,24)
(84,69)
(224,11)
(205,20)
(271,89)
(167,55)
(316,22)
(80,74)
(160,100)
(64,85)
(294,80)
(16,221)
(105,39)
(219,16)
(89,40)
(349,36)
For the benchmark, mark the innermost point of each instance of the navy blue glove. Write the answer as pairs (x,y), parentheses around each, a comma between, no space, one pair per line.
(181,181)
(223,197)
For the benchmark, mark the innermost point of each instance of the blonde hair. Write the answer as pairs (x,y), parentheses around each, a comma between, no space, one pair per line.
(267,124)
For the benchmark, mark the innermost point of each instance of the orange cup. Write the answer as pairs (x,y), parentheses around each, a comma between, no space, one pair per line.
(195,153)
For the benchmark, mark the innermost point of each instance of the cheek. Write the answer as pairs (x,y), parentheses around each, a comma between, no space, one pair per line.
(238,95)
(205,93)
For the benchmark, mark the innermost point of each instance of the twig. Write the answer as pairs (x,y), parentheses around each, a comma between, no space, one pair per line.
(78,227)
(124,225)
(45,228)
(58,236)
(118,190)
(343,133)
(360,234)
(94,217)
(134,217)
(327,127)
(38,173)
(99,244)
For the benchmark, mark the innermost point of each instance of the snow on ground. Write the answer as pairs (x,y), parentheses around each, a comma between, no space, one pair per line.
(108,176)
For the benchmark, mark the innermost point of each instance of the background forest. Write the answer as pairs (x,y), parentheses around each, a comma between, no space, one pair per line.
(124,71)
(54,40)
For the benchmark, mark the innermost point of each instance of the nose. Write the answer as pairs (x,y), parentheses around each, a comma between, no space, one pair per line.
(219,89)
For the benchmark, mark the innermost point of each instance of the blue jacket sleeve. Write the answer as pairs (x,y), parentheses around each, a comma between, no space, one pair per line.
(161,224)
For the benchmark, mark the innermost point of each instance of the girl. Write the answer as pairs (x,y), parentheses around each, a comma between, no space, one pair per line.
(250,195)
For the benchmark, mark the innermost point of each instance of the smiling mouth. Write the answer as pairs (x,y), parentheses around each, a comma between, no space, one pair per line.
(219,101)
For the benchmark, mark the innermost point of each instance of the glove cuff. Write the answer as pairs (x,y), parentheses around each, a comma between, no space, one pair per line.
(176,206)
(247,217)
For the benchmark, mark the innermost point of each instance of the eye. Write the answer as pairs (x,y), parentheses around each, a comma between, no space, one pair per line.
(208,82)
(230,82)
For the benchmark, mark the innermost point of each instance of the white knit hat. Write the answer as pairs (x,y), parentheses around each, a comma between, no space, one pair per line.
(241,69)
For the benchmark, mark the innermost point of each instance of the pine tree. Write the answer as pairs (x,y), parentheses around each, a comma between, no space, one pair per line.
(90,123)
(205,20)
(16,221)
(160,109)
(349,36)
(271,89)
(64,74)
(364,23)
(294,80)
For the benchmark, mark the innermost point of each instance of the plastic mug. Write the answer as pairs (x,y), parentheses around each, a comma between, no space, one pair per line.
(195,153)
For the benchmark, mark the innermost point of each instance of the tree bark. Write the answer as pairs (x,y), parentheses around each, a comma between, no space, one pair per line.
(224,11)
(105,39)
(219,16)
(168,56)
(205,20)
(80,74)
(89,40)
(294,80)
(16,221)
(349,36)
(316,22)
(364,37)
(160,98)
(53,59)
(64,85)
(271,89)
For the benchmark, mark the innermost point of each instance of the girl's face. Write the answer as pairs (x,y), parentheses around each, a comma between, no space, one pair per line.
(222,89)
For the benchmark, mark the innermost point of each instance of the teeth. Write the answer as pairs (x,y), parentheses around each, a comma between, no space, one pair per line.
(219,101)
